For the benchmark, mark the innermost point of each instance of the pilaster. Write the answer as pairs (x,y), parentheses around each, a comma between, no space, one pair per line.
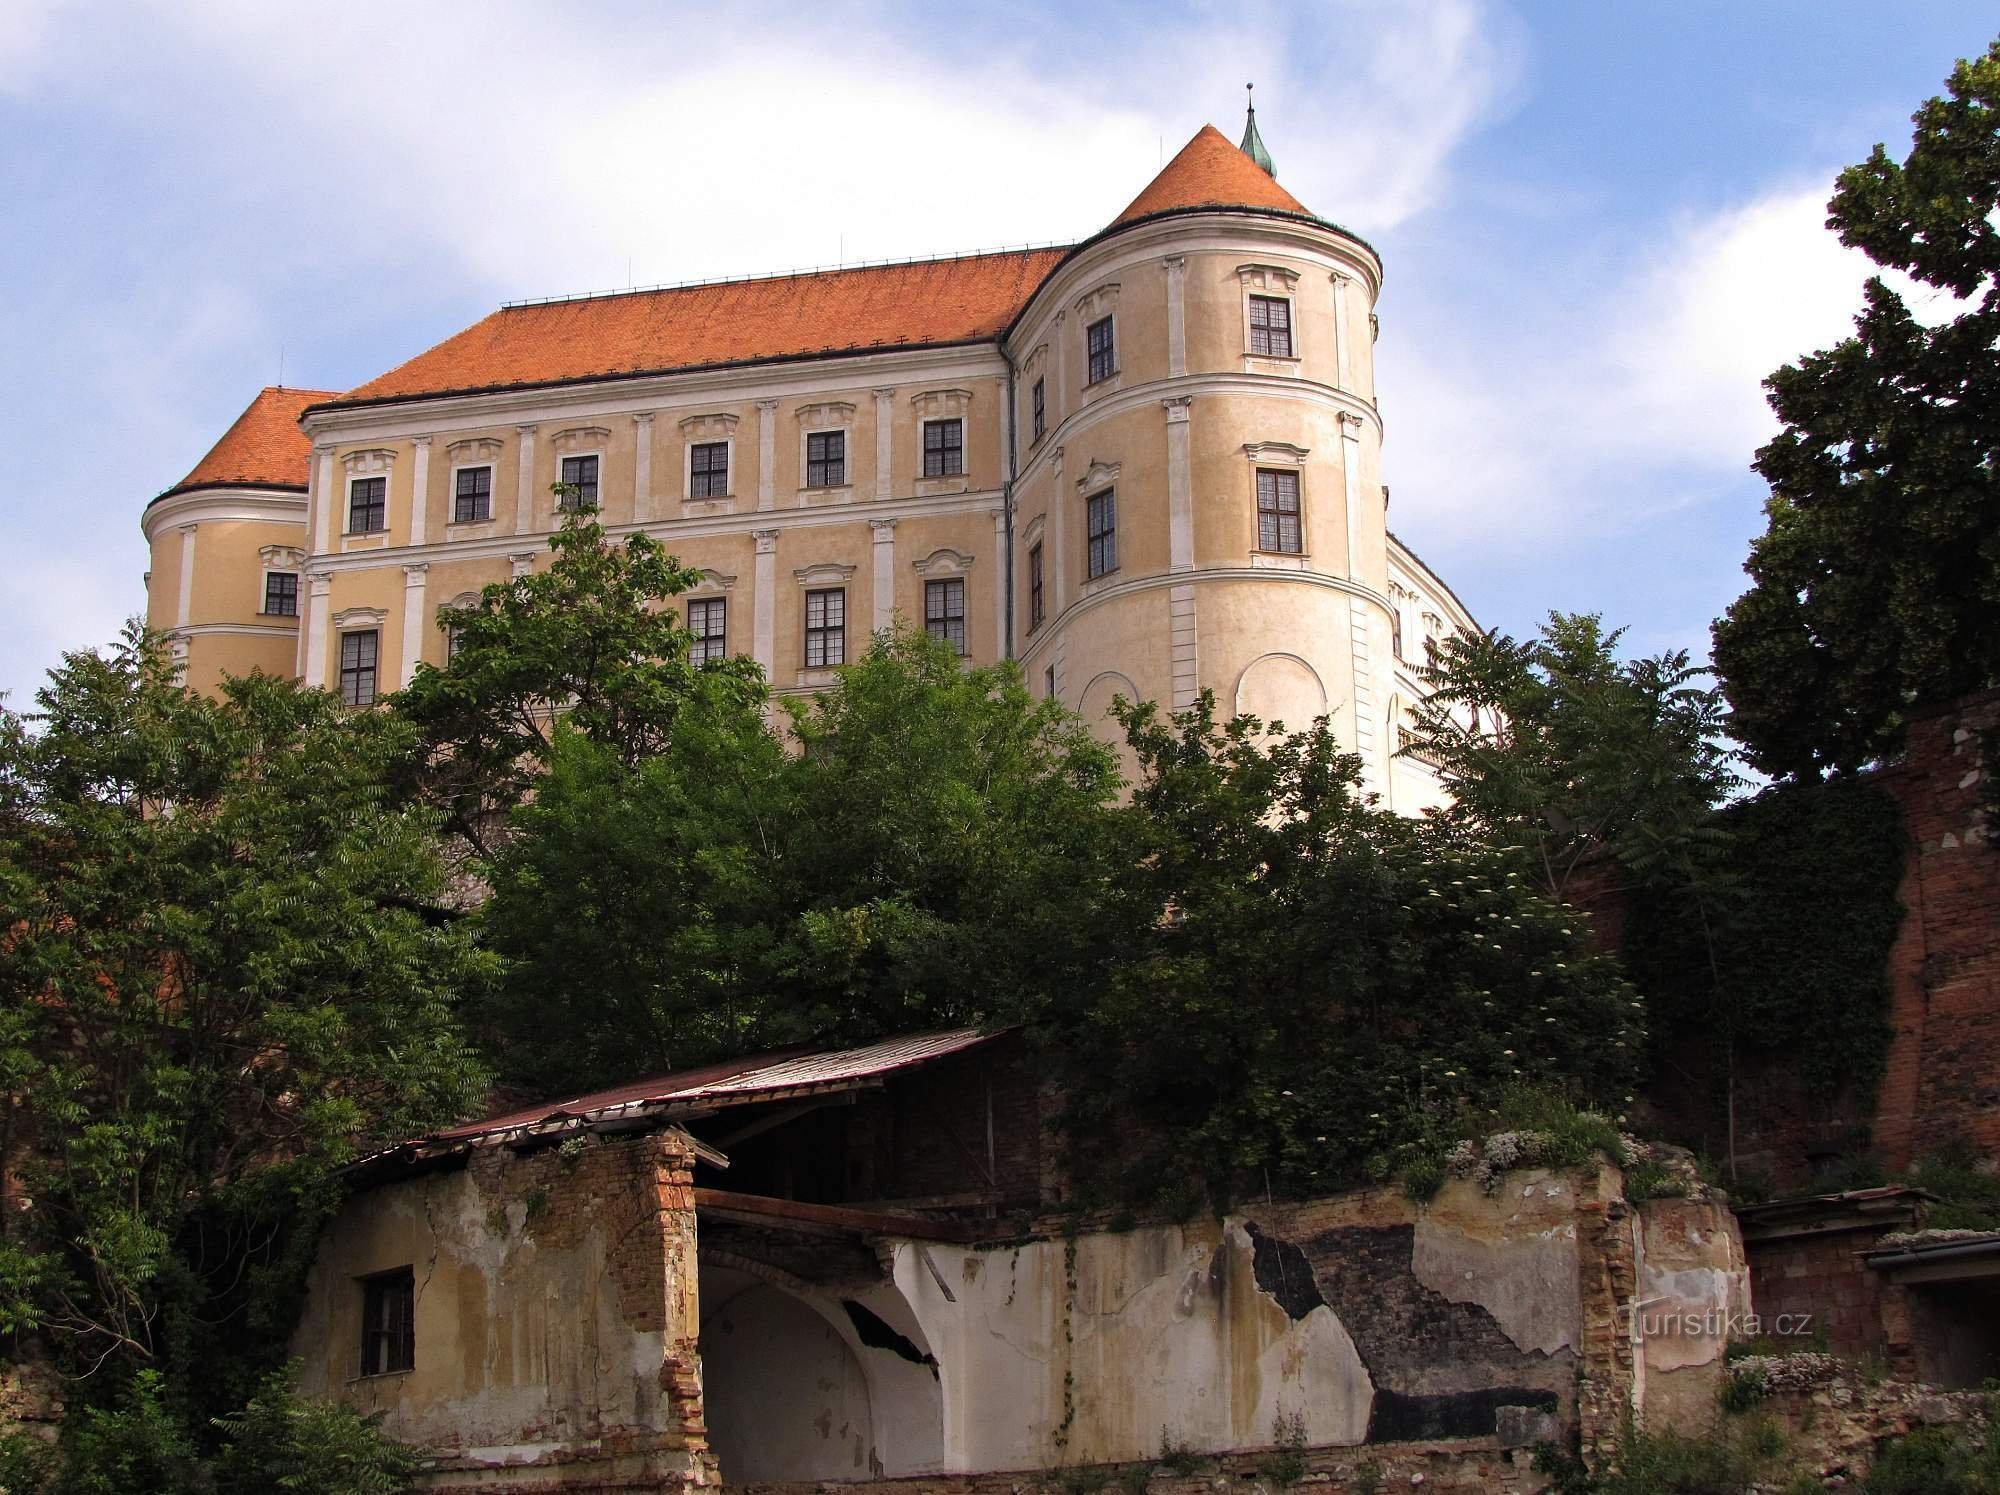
(1366,704)
(319,620)
(767,452)
(1176,314)
(414,579)
(1003,645)
(764,603)
(324,500)
(524,496)
(885,439)
(1341,283)
(420,489)
(522,562)
(642,466)
(184,607)
(885,573)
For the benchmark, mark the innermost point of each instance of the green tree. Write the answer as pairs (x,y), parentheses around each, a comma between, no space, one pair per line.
(933,848)
(1876,583)
(224,971)
(1559,750)
(1315,991)
(591,640)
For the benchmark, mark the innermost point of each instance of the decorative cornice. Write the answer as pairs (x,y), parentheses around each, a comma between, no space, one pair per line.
(360,617)
(826,413)
(282,557)
(479,448)
(710,426)
(1268,277)
(941,404)
(1099,475)
(1096,301)
(369,461)
(1276,453)
(826,573)
(945,562)
(579,439)
(711,582)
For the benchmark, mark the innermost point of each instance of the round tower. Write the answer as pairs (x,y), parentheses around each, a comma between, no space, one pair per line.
(1199,502)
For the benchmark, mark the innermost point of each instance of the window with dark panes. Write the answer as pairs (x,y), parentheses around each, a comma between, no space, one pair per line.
(357,667)
(826,459)
(472,496)
(1271,326)
(708,621)
(944,611)
(367,505)
(708,469)
(1049,682)
(1097,341)
(389,1323)
(1035,586)
(826,628)
(281,594)
(1039,401)
(579,483)
(1278,511)
(944,448)
(1101,530)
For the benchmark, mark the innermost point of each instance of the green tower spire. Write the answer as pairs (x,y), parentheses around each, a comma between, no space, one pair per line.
(1253,143)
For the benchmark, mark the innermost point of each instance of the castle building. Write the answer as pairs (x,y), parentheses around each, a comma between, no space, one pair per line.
(1147,464)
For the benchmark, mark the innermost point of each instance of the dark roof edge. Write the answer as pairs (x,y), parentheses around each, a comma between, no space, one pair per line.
(1432,572)
(207,486)
(865,351)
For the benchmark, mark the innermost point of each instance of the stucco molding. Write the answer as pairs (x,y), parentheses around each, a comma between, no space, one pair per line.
(825,414)
(473,451)
(712,425)
(1099,475)
(941,404)
(1276,453)
(944,561)
(1096,303)
(580,441)
(370,461)
(1274,278)
(360,617)
(281,557)
(712,584)
(825,574)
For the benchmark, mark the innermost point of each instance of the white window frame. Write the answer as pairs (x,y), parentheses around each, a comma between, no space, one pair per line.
(556,506)
(452,521)
(687,469)
(806,433)
(386,478)
(1278,284)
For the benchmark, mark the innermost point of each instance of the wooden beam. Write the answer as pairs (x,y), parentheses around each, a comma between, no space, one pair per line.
(822,1219)
(780,1117)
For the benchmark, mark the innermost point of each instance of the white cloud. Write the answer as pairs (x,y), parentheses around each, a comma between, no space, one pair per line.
(1599,405)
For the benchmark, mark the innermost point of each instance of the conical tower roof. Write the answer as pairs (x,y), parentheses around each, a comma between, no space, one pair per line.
(264,448)
(1211,173)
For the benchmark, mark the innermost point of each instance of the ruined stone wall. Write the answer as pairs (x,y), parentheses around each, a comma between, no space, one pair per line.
(555,1325)
(1820,1280)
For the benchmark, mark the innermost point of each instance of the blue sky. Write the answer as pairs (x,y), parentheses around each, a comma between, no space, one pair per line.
(1602,224)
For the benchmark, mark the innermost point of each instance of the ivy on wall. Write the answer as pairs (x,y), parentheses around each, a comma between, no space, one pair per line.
(1783,951)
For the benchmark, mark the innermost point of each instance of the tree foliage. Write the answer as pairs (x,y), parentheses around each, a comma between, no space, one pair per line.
(224,970)
(896,866)
(590,641)
(1558,749)
(1876,583)
(1314,991)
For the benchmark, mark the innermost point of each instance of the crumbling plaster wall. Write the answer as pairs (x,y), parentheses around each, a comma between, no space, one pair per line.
(555,1322)
(1693,1292)
(1372,1318)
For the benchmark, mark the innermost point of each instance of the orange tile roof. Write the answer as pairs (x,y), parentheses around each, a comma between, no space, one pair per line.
(929,303)
(264,448)
(1210,173)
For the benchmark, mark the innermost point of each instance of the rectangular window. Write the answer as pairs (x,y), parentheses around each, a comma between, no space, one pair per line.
(944,448)
(453,637)
(367,505)
(1101,525)
(1278,511)
(1271,326)
(357,667)
(826,459)
(1049,682)
(281,594)
(708,621)
(944,611)
(1041,409)
(388,1323)
(579,483)
(472,498)
(708,469)
(1035,587)
(826,628)
(1103,364)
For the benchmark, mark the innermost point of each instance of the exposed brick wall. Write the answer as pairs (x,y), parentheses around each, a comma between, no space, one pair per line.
(1821,1279)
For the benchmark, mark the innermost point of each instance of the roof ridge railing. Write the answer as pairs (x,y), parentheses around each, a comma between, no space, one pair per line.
(717,280)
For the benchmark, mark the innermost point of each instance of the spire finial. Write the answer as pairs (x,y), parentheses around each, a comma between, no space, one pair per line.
(1253,143)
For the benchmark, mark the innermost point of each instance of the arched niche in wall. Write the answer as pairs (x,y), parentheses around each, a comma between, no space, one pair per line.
(1094,705)
(1281,688)
(799,1385)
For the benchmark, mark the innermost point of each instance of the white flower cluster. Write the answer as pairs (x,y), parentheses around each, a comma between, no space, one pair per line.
(1501,1151)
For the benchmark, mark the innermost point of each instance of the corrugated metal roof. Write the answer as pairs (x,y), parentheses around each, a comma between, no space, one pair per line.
(734,1082)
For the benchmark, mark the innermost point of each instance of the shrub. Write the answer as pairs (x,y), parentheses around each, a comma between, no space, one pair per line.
(1743,1387)
(1937,1461)
(1285,1464)
(1177,1456)
(282,1441)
